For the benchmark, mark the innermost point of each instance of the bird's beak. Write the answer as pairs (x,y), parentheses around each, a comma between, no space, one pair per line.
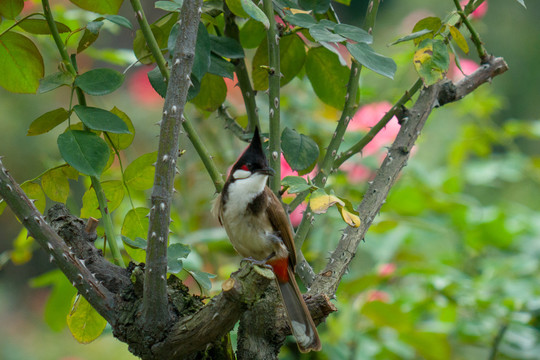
(267,171)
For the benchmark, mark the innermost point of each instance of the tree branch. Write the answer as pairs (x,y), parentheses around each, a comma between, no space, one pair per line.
(155,309)
(231,30)
(69,263)
(412,123)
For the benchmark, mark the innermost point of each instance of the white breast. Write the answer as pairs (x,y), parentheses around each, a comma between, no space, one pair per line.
(248,234)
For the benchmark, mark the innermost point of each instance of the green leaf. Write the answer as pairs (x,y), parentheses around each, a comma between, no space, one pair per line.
(321,33)
(431,23)
(327,76)
(295,184)
(365,55)
(54,81)
(59,302)
(226,47)
(114,192)
(175,254)
(139,175)
(120,20)
(318,6)
(247,8)
(292,54)
(56,185)
(135,226)
(414,35)
(430,345)
(202,278)
(84,150)
(138,243)
(431,60)
(201,63)
(383,314)
(301,19)
(300,151)
(251,34)
(95,26)
(344,2)
(140,48)
(11,8)
(3,206)
(21,64)
(35,192)
(84,321)
(22,248)
(169,5)
(41,27)
(47,122)
(157,81)
(212,93)
(459,39)
(87,39)
(353,33)
(221,67)
(70,172)
(100,120)
(99,6)
(99,81)
(123,140)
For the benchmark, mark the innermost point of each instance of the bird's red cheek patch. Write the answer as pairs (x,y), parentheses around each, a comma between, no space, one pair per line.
(280,267)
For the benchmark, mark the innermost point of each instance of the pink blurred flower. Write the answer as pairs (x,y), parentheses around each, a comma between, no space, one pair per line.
(234,94)
(357,173)
(479,12)
(378,295)
(297,214)
(141,90)
(468,67)
(386,270)
(366,117)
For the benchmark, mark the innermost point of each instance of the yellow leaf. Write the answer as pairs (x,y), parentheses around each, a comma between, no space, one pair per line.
(423,55)
(298,11)
(349,217)
(22,248)
(320,201)
(459,39)
(55,185)
(84,322)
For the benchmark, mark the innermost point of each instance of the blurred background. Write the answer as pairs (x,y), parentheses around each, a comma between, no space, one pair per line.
(451,265)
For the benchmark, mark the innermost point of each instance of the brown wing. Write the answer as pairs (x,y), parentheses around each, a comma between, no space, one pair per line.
(280,221)
(217,209)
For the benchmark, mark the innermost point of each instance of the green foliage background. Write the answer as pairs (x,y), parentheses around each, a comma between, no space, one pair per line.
(460,228)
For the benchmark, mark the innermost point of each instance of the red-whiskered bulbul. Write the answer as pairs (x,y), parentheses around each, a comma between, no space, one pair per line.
(259,229)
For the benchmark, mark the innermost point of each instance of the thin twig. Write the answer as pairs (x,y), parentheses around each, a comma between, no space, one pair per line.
(475,37)
(149,37)
(497,341)
(231,30)
(274,77)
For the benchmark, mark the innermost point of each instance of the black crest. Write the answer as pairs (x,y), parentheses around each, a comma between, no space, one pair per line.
(253,157)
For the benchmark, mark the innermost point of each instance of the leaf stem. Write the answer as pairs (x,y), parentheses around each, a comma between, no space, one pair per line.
(102,200)
(186,124)
(475,37)
(150,39)
(274,77)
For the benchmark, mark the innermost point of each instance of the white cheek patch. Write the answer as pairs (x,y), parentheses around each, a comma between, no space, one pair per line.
(241,174)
